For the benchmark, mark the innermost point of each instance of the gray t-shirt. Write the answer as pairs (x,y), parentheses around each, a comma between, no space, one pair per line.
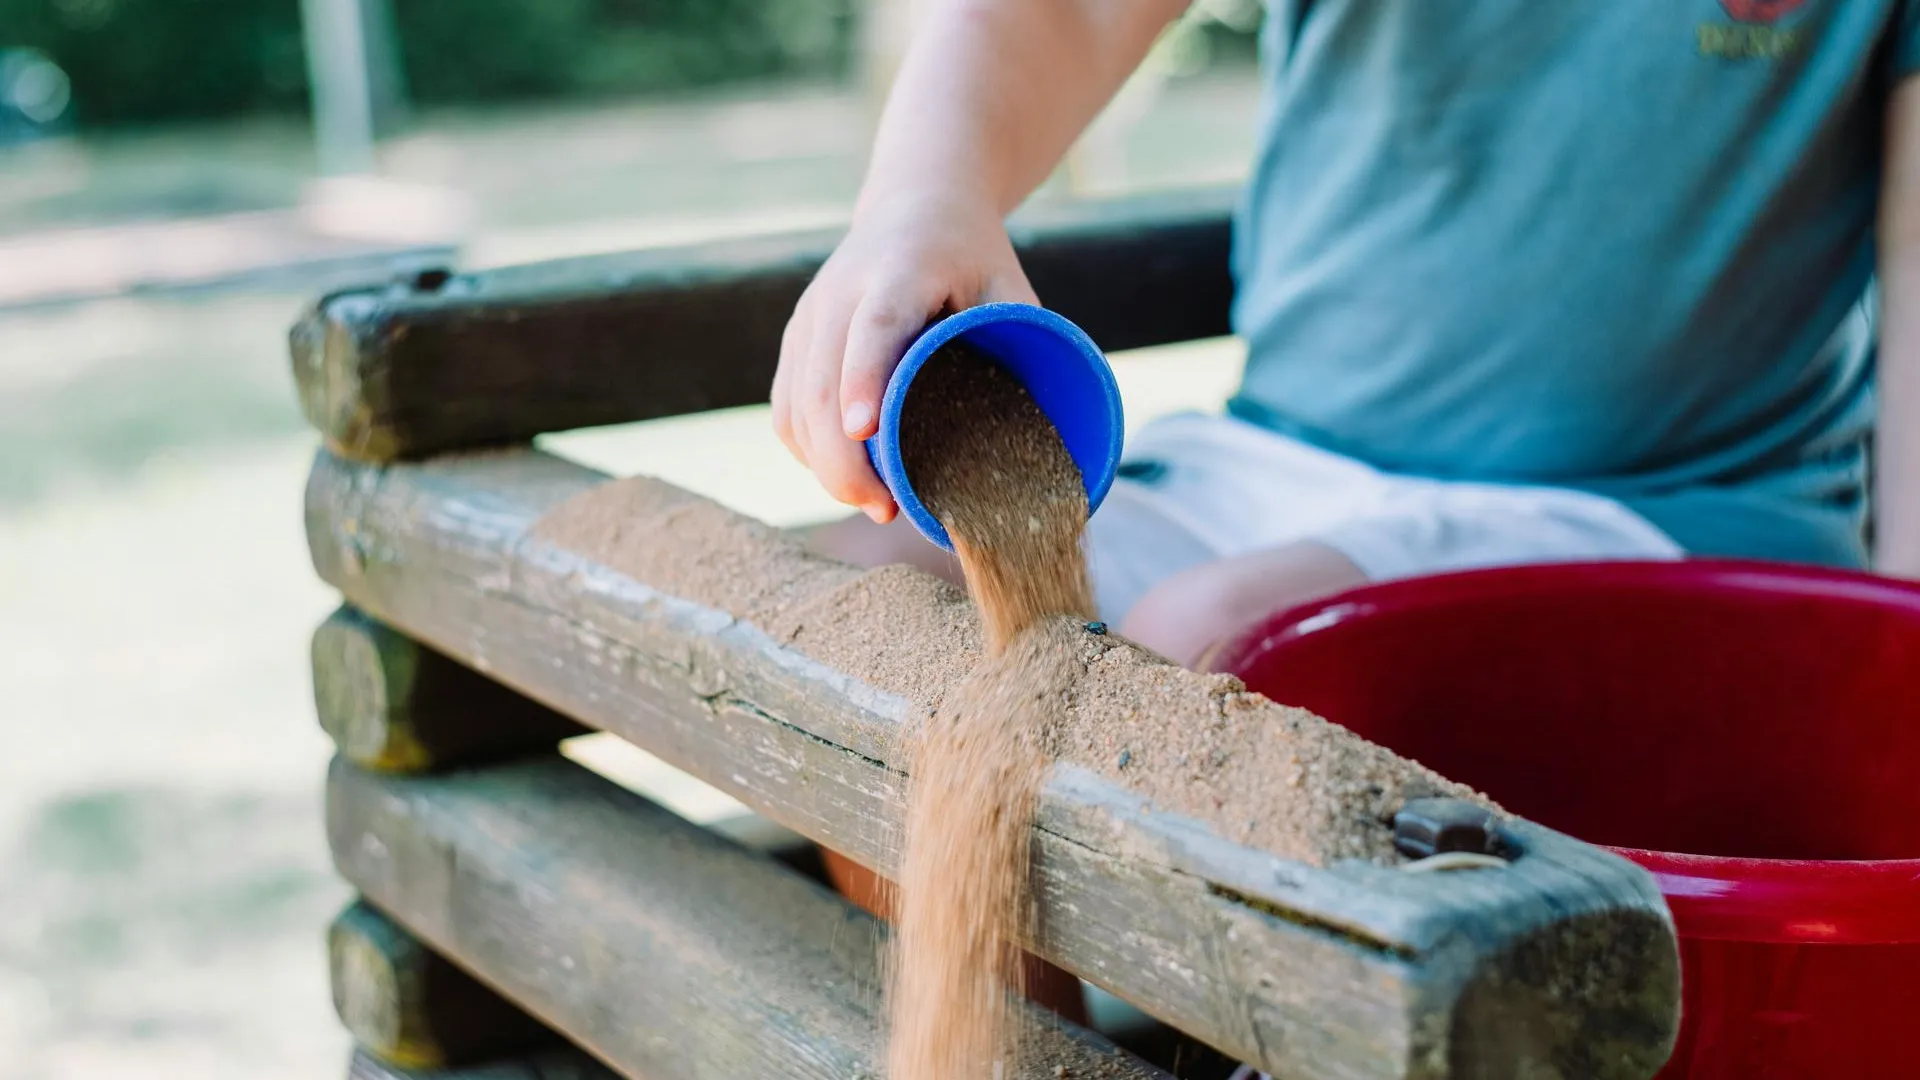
(1620,245)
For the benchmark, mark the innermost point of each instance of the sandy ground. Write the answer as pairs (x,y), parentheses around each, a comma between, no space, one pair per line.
(163,869)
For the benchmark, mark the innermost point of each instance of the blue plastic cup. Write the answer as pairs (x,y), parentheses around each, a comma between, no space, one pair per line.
(1063,371)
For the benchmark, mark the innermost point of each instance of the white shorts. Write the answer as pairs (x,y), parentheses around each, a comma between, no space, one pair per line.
(1196,487)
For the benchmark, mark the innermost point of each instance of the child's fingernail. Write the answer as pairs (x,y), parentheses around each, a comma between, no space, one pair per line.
(881,512)
(856,418)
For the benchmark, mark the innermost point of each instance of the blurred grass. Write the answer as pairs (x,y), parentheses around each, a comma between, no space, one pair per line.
(145,61)
(177,171)
(94,393)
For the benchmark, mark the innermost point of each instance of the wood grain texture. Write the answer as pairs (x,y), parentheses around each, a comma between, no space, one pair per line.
(391,703)
(656,945)
(407,1005)
(501,356)
(1350,970)
(557,1064)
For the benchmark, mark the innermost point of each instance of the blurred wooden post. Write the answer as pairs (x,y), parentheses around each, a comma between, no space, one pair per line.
(341,77)
(386,72)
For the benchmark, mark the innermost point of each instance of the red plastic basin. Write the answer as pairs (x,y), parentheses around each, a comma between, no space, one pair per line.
(1748,732)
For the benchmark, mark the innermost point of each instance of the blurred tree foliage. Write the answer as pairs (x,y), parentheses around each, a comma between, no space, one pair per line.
(147,60)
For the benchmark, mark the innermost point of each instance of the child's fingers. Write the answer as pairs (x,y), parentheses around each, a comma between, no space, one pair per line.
(793,341)
(840,463)
(882,327)
(844,470)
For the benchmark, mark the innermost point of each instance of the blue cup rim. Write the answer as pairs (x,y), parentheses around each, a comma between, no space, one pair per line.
(893,470)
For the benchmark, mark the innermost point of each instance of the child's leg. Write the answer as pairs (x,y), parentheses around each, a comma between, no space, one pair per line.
(1186,616)
(1420,527)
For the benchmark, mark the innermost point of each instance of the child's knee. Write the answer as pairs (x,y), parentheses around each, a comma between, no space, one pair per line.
(1184,617)
(1180,617)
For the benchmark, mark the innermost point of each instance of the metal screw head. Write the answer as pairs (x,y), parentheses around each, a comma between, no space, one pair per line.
(1425,827)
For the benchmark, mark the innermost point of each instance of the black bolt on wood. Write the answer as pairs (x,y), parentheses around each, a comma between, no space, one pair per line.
(1425,827)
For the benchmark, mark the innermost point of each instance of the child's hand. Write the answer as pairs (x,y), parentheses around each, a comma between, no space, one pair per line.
(903,263)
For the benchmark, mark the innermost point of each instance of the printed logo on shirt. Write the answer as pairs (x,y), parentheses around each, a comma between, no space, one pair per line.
(1759,11)
(1752,34)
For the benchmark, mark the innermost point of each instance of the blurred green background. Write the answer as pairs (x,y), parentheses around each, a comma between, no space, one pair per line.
(167,60)
(134,61)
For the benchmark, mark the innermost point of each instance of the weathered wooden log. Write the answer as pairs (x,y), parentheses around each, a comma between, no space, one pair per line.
(766,675)
(445,362)
(409,1006)
(391,703)
(656,945)
(394,705)
(557,1064)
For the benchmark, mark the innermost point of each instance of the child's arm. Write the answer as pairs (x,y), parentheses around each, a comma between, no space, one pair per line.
(1898,434)
(989,98)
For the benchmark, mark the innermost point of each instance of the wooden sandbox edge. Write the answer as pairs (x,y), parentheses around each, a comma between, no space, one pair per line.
(1347,970)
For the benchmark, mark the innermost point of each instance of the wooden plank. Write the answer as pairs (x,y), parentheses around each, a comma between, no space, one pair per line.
(391,703)
(407,1005)
(654,944)
(1563,964)
(435,364)
(557,1064)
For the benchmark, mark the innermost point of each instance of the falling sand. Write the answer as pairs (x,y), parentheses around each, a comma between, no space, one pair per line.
(991,467)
